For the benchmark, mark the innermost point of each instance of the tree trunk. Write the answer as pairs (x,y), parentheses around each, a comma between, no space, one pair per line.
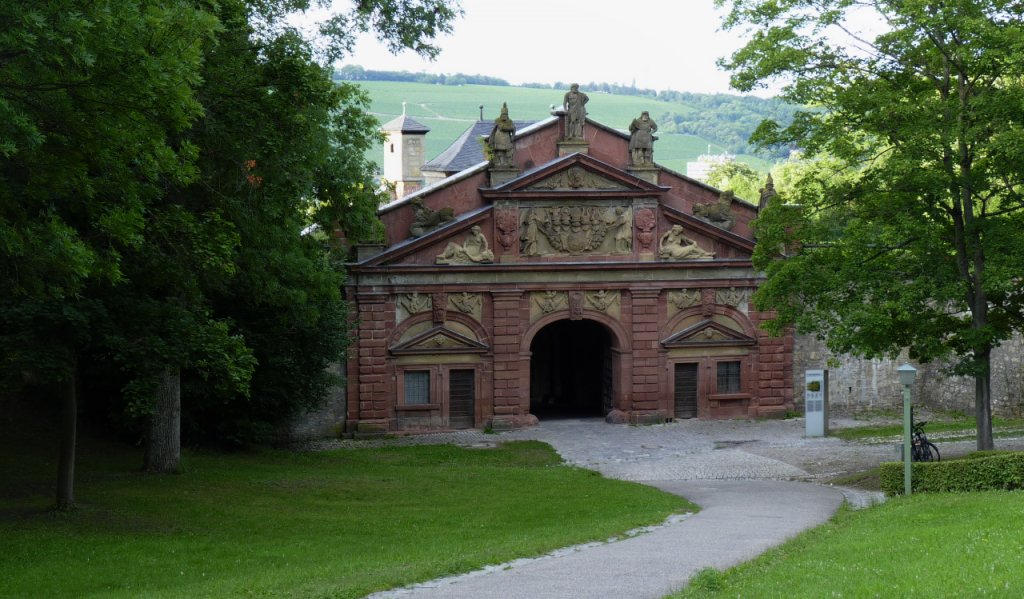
(68,441)
(163,443)
(983,402)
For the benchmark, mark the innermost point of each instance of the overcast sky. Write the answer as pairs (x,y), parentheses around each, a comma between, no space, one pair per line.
(659,44)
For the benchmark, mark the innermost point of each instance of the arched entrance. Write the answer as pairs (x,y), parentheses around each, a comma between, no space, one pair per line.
(571,370)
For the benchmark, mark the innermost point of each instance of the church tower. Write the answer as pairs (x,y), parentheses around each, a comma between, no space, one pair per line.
(404,154)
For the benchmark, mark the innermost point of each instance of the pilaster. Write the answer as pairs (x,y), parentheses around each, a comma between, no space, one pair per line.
(648,364)
(511,368)
(370,411)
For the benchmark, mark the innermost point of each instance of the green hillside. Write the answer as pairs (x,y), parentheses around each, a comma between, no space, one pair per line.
(448,110)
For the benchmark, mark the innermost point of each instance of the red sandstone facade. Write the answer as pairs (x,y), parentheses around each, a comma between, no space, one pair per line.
(573,307)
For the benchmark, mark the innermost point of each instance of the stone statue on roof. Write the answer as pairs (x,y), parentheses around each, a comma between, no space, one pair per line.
(575,103)
(675,245)
(641,139)
(501,142)
(424,219)
(473,250)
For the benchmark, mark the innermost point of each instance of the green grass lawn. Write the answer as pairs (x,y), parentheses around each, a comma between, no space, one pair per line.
(948,426)
(280,524)
(928,545)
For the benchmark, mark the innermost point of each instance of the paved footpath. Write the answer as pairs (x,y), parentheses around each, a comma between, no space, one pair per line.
(742,514)
(739,519)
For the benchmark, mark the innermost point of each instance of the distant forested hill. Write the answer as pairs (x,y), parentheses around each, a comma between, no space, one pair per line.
(689,124)
(727,119)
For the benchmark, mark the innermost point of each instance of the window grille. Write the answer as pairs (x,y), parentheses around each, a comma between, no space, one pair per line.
(728,377)
(417,387)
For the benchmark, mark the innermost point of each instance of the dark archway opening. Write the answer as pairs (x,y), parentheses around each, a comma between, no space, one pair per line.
(571,370)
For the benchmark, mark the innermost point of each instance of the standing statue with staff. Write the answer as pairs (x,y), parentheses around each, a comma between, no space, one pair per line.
(575,103)
(641,139)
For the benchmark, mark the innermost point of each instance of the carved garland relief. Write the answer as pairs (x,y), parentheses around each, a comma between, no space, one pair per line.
(550,301)
(411,303)
(602,300)
(681,299)
(543,303)
(732,297)
(685,298)
(466,303)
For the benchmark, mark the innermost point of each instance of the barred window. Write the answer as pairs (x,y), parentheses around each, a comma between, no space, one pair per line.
(417,387)
(728,377)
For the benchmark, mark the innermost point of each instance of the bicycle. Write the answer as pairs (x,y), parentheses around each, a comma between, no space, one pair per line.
(921,449)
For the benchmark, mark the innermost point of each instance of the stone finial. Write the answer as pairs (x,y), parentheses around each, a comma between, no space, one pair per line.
(767,193)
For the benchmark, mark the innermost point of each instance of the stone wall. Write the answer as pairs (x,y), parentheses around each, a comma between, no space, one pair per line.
(326,422)
(859,385)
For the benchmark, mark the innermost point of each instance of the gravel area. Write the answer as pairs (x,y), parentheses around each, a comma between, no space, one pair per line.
(730,468)
(693,449)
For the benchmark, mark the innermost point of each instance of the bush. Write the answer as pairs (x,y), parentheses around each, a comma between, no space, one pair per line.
(980,471)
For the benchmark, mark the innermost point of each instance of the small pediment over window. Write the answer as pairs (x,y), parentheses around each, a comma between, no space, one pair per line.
(438,340)
(708,333)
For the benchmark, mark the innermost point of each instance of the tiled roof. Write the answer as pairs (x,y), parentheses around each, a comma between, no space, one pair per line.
(405,125)
(467,150)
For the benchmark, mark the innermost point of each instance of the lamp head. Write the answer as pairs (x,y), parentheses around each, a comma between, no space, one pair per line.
(907,374)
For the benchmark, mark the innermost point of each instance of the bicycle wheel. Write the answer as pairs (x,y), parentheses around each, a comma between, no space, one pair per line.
(918,453)
(932,451)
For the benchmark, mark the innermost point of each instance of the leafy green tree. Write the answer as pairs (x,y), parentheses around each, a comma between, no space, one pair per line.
(124,221)
(737,177)
(917,245)
(302,163)
(281,148)
(91,97)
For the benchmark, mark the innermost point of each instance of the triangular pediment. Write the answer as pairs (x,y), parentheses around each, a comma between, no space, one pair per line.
(428,247)
(575,178)
(438,340)
(707,333)
(691,223)
(576,173)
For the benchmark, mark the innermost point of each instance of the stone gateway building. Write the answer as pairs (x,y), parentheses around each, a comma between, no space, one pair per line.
(564,274)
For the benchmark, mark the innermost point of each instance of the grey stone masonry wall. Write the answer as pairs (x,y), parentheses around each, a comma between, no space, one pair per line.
(328,421)
(859,385)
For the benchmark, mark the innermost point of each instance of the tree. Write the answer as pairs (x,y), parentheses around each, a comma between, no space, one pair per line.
(91,95)
(304,163)
(917,245)
(118,238)
(738,177)
(280,147)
